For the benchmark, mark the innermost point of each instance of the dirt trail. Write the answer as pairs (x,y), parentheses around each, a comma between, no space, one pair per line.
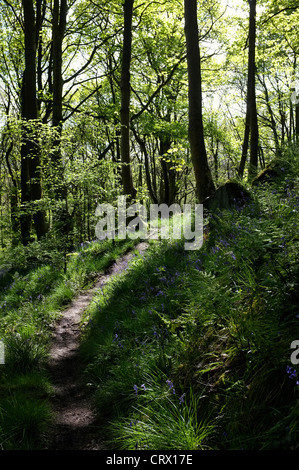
(75,426)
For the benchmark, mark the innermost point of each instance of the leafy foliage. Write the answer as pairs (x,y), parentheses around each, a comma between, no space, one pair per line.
(214,326)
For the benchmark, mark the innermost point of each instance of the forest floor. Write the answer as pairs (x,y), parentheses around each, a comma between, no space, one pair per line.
(146,346)
(75,423)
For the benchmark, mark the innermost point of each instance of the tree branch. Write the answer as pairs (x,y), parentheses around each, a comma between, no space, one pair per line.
(76,108)
(280,11)
(155,93)
(14,12)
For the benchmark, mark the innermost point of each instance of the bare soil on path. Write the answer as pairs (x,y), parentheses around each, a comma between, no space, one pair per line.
(75,424)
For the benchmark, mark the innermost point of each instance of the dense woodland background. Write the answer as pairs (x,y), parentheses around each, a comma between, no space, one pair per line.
(164,102)
(94,103)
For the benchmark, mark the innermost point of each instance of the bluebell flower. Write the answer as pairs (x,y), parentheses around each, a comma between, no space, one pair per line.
(160,292)
(182,398)
(170,385)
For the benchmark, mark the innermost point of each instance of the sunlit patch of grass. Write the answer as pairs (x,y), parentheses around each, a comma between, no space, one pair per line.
(30,305)
(165,424)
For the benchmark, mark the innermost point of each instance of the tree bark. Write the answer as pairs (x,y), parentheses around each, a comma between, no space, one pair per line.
(245,143)
(254,137)
(31,190)
(127,179)
(58,32)
(204,182)
(142,145)
(251,134)
(272,117)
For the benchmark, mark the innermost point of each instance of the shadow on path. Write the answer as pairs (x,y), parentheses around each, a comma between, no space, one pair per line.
(75,422)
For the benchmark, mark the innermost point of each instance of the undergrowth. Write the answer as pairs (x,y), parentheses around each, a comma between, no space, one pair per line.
(34,290)
(183,350)
(191,349)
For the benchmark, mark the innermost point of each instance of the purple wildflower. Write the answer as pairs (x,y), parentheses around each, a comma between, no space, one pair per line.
(169,383)
(182,398)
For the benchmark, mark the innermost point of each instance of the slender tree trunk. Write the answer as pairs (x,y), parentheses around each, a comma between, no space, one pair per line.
(30,153)
(254,137)
(251,134)
(216,160)
(40,15)
(58,32)
(142,145)
(127,179)
(245,143)
(272,117)
(204,182)
(14,200)
(165,145)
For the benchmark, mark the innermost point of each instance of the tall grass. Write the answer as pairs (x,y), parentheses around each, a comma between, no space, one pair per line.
(183,349)
(163,424)
(218,321)
(34,290)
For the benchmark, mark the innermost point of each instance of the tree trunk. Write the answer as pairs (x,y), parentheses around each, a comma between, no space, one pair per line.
(30,153)
(251,125)
(245,143)
(127,179)
(58,32)
(142,145)
(14,200)
(254,137)
(272,118)
(204,183)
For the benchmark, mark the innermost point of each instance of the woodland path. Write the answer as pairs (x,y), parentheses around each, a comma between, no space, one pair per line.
(75,425)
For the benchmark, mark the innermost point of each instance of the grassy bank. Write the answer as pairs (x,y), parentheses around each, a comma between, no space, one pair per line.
(191,350)
(34,290)
(183,350)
